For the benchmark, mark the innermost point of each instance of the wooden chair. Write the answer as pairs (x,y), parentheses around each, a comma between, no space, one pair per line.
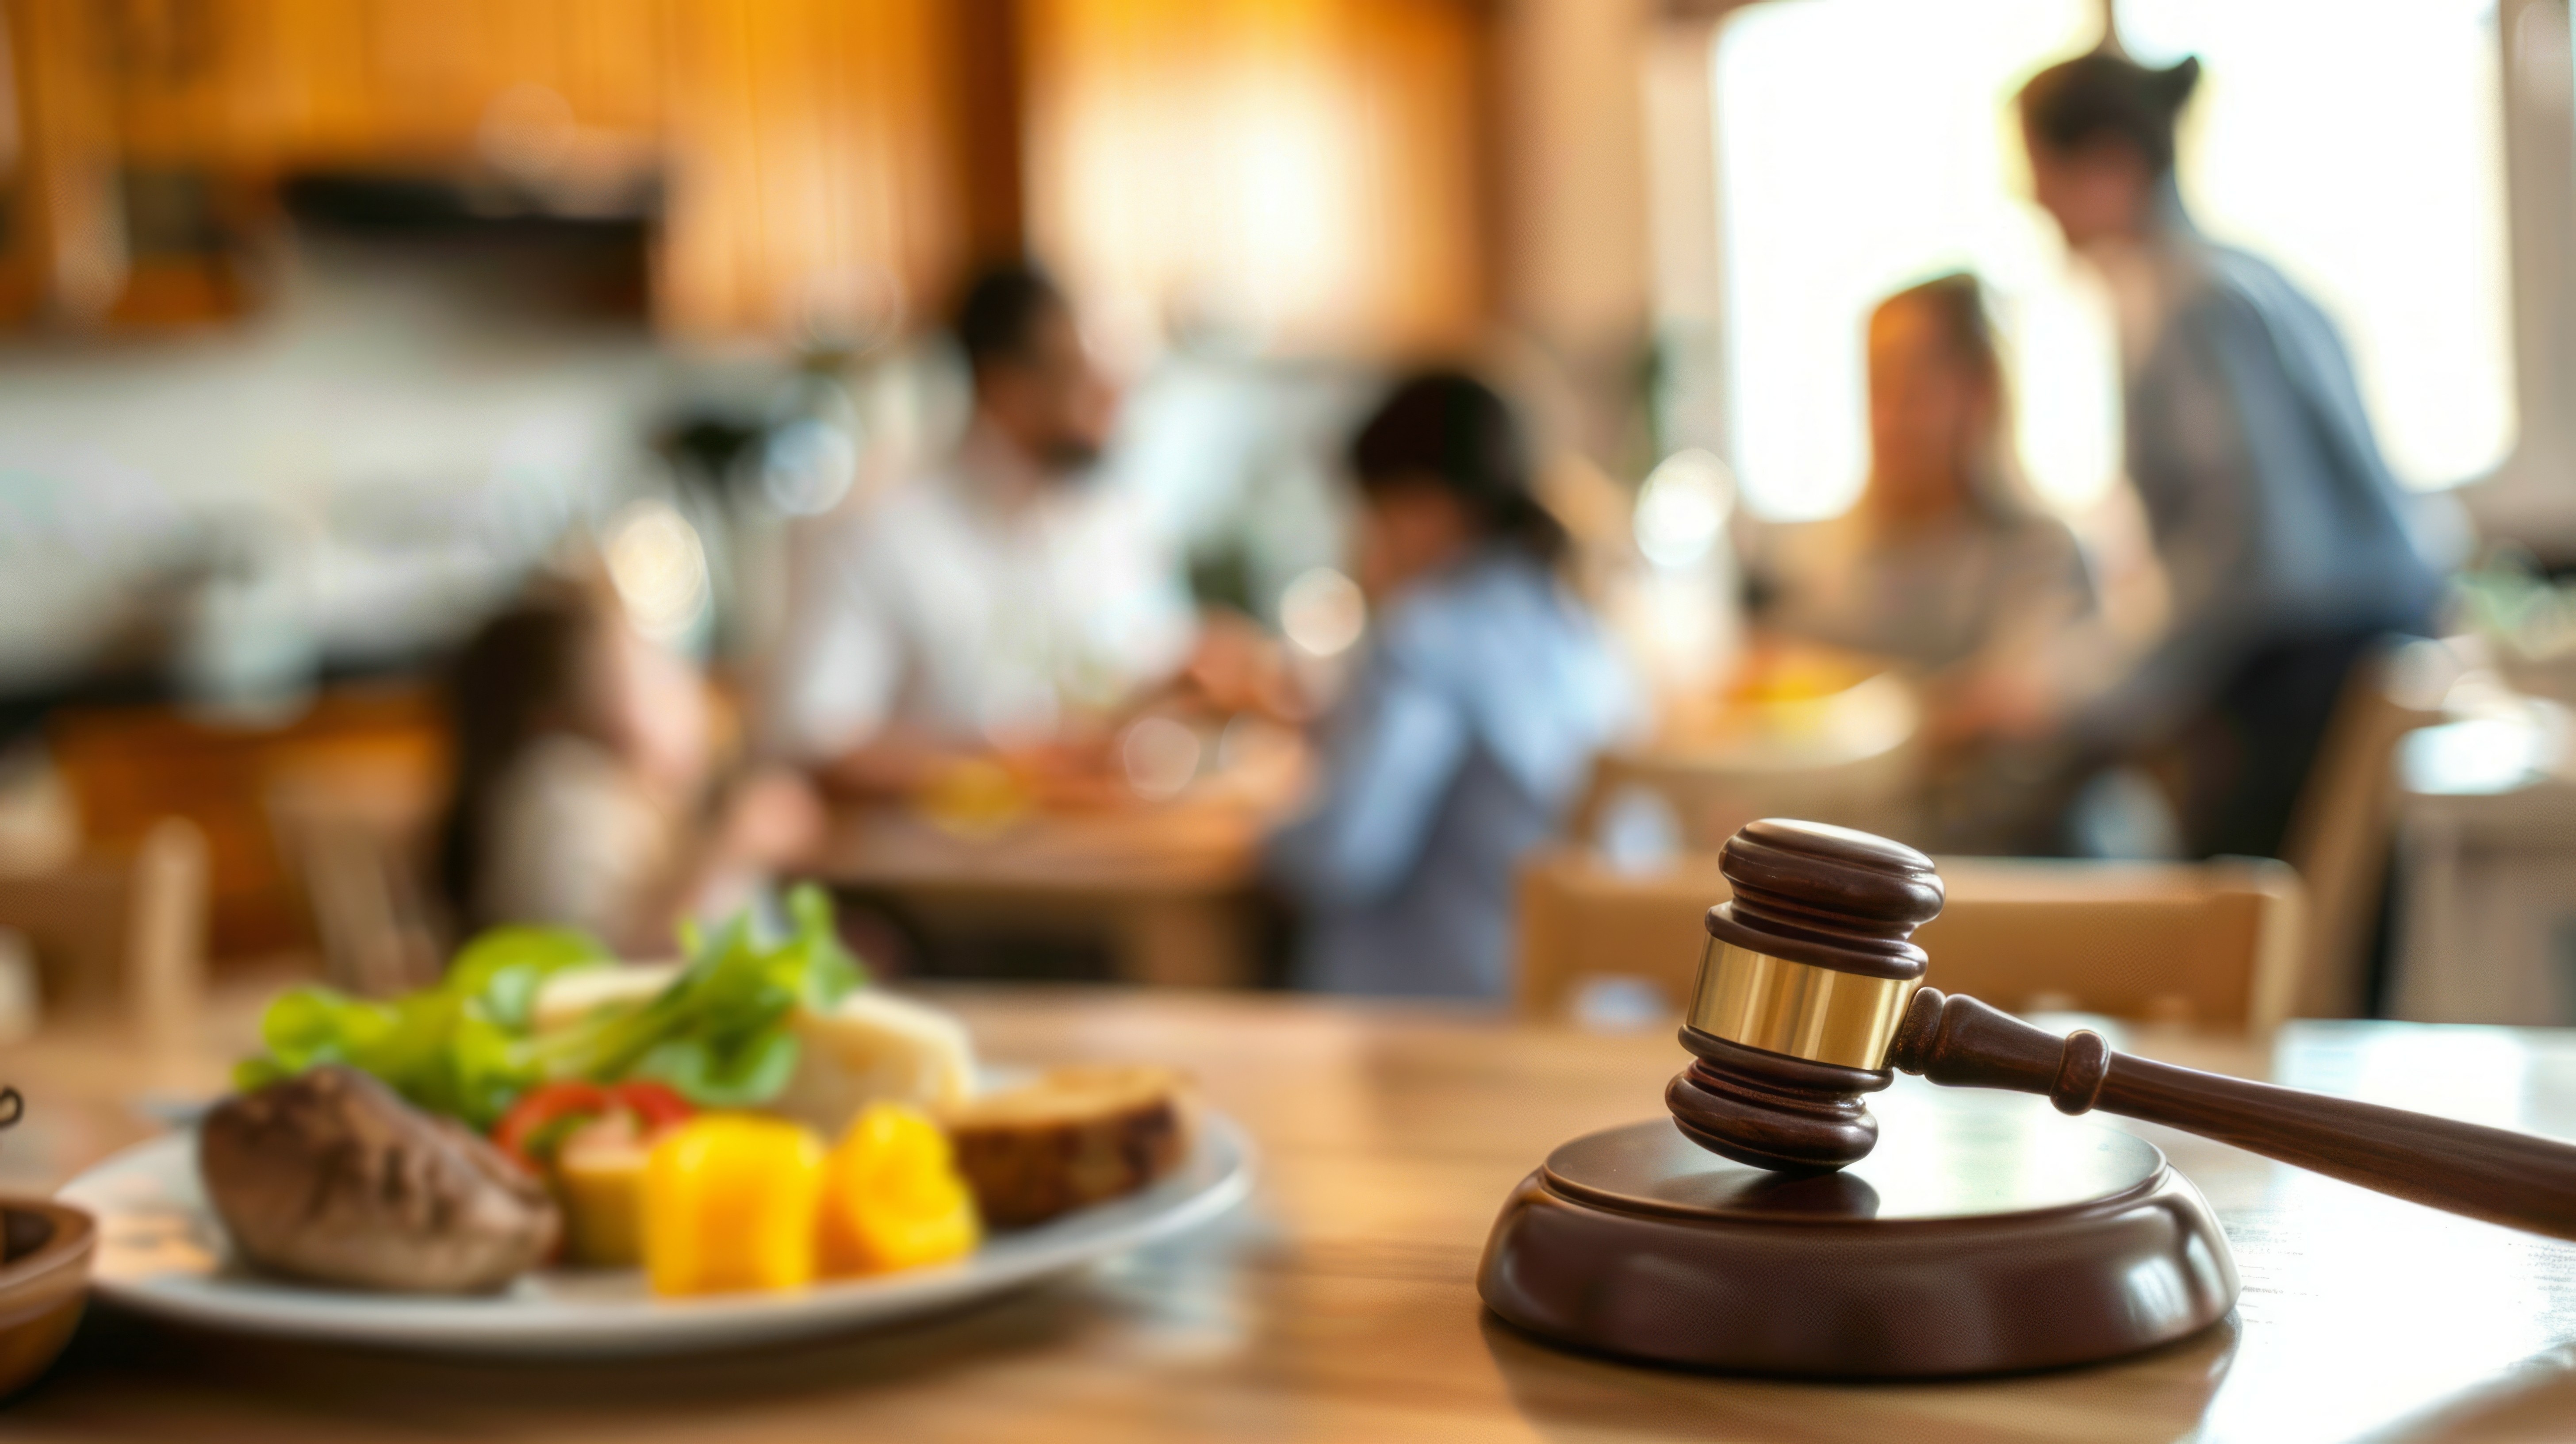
(355,840)
(120,933)
(2345,820)
(2214,944)
(1852,758)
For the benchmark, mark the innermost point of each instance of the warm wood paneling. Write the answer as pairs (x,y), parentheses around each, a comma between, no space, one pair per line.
(1310,169)
(1305,169)
(376,82)
(811,165)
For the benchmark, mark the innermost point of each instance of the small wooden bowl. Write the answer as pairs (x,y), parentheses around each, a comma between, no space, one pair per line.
(45,1252)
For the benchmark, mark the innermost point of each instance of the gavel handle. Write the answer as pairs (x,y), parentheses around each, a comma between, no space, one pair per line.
(2495,1174)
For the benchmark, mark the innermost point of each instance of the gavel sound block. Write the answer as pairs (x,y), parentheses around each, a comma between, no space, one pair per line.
(1766,1226)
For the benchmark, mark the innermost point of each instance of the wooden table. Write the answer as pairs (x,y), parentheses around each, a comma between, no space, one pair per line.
(1339,1305)
(1166,887)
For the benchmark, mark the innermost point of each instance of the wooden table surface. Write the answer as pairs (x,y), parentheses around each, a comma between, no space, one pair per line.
(1339,1304)
(1163,885)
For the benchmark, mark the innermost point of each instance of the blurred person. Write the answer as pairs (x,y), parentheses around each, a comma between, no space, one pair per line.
(2286,543)
(586,794)
(1945,562)
(991,600)
(1947,566)
(1472,720)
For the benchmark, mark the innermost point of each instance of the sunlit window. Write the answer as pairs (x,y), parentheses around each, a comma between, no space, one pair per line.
(2360,147)
(1867,144)
(1864,145)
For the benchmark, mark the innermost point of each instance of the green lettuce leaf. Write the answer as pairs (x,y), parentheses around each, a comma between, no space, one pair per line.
(719,1034)
(458,1047)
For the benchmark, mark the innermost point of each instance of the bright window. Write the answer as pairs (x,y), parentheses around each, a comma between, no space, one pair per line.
(1867,144)
(2360,147)
(1864,145)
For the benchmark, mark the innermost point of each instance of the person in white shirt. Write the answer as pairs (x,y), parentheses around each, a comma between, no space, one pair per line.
(986,603)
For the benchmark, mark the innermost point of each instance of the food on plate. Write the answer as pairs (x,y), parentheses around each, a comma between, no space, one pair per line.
(601,1190)
(589,1143)
(739,1201)
(329,1176)
(873,1047)
(717,1030)
(671,1116)
(867,1046)
(730,1203)
(566,998)
(892,1198)
(1074,1137)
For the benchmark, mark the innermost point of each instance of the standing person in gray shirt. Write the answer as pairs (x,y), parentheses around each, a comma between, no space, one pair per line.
(2287,544)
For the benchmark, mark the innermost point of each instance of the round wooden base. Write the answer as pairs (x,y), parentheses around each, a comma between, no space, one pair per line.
(1950,1250)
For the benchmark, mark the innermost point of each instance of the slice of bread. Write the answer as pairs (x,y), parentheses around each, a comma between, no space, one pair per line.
(1075,1137)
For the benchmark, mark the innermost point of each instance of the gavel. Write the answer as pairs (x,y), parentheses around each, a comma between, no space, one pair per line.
(1810,995)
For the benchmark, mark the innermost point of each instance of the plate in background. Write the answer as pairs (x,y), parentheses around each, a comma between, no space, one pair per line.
(162,1251)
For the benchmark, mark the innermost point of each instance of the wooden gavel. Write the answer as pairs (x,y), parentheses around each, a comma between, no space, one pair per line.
(1810,993)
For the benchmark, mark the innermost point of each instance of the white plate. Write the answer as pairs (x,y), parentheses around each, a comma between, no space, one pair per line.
(162,1251)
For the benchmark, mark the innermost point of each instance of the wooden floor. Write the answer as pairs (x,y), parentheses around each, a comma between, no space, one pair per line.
(1340,1305)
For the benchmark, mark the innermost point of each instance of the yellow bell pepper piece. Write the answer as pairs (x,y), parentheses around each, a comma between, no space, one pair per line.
(729,1201)
(891,1196)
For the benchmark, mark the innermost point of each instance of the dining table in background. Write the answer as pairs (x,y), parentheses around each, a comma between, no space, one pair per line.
(1168,888)
(1340,1303)
(1790,730)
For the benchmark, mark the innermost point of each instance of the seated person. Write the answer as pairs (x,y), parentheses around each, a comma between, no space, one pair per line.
(585,794)
(1947,567)
(1944,563)
(990,601)
(1471,724)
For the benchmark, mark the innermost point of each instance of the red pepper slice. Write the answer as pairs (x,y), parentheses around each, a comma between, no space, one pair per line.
(540,1106)
(656,1106)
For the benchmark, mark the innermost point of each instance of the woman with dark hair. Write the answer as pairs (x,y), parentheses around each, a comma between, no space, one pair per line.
(1485,690)
(2287,545)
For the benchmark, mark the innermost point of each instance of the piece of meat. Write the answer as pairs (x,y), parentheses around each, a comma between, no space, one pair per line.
(331,1176)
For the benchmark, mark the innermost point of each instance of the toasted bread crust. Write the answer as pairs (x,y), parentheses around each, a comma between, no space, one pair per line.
(1077,1136)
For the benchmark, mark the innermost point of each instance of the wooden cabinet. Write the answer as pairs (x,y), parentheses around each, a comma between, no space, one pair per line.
(812,179)
(1310,168)
(1307,174)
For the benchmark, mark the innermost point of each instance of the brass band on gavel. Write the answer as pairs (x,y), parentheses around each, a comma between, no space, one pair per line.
(1797,1009)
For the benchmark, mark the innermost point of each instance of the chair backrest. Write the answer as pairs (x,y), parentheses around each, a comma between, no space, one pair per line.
(1851,758)
(2341,829)
(120,933)
(2212,943)
(356,841)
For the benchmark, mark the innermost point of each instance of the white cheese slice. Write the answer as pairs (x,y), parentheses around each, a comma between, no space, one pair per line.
(874,1047)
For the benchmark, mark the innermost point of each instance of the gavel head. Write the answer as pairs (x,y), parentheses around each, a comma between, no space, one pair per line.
(1807,972)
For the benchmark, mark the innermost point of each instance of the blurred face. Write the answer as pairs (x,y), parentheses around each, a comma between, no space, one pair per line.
(2097,191)
(1053,403)
(652,709)
(1927,409)
(1408,530)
